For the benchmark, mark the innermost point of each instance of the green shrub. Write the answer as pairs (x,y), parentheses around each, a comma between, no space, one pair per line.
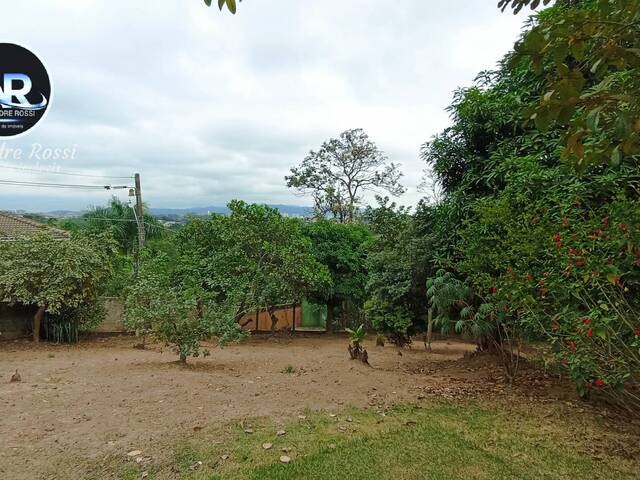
(393,321)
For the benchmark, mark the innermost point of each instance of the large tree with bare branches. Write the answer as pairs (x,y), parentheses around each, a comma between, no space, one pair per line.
(341,171)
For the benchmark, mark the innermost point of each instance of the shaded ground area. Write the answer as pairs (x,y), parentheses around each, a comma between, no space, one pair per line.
(80,409)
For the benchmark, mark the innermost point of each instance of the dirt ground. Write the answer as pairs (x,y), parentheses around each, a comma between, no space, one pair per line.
(104,398)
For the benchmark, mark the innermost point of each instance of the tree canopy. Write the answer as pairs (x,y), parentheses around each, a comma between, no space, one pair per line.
(54,274)
(539,175)
(343,249)
(341,171)
(60,277)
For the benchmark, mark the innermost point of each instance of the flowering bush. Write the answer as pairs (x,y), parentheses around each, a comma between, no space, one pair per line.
(596,265)
(570,273)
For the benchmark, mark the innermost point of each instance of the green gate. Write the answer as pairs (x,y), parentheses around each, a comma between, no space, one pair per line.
(314,315)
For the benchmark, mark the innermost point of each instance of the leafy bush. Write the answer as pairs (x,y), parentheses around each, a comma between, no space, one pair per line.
(393,321)
(60,277)
(157,306)
(541,217)
(70,322)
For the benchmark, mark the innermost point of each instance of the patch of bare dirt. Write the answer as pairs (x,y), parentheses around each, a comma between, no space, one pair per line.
(104,398)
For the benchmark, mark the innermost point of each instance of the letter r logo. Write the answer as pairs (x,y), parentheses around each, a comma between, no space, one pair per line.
(15,85)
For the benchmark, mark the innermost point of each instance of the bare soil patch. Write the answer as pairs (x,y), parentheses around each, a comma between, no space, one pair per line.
(103,398)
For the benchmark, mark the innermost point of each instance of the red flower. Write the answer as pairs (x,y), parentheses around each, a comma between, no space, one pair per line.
(556,237)
(586,321)
(600,382)
(589,332)
(530,277)
(595,273)
(623,225)
(573,251)
(545,274)
(543,281)
(493,290)
(636,331)
(558,244)
(572,345)
(565,222)
(605,220)
(565,360)
(601,233)
(580,262)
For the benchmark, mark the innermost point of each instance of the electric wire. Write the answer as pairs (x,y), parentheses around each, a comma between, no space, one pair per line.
(72,174)
(21,183)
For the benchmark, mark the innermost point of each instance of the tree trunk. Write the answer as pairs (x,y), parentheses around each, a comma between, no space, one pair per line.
(37,321)
(429,328)
(330,305)
(274,319)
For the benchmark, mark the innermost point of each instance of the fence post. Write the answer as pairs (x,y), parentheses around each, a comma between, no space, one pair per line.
(293,322)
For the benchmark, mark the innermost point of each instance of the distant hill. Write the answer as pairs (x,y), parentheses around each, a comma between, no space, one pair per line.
(287,210)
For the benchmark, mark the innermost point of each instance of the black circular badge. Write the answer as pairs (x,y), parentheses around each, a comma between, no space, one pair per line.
(25,90)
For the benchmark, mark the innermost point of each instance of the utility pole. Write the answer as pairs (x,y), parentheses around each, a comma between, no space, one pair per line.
(139,219)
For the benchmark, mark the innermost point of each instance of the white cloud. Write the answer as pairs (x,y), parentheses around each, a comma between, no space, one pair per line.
(210,106)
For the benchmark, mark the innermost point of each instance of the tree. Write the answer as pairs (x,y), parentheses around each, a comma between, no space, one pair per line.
(343,169)
(231,4)
(342,248)
(539,250)
(216,270)
(119,218)
(52,274)
(253,258)
(158,304)
(399,261)
(588,51)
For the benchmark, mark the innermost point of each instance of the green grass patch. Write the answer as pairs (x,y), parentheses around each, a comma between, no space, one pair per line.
(435,441)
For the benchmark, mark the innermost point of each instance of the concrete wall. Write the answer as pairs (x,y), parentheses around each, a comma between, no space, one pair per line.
(114,320)
(17,321)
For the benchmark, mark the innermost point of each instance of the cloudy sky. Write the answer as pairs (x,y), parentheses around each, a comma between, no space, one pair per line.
(208,106)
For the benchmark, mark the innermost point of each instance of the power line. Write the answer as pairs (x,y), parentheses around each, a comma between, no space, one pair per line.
(90,218)
(72,174)
(21,183)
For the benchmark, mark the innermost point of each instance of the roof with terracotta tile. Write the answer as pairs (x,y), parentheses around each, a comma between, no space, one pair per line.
(15,226)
